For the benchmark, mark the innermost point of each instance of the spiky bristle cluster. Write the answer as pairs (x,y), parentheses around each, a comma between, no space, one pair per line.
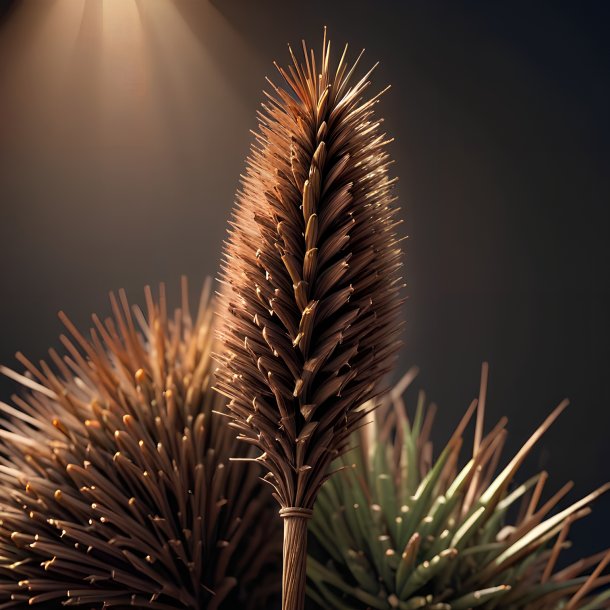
(115,483)
(398,529)
(310,277)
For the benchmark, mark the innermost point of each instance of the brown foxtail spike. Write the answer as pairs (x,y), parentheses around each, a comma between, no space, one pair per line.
(311,286)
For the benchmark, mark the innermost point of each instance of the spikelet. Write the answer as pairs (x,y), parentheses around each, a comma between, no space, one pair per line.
(311,283)
(398,529)
(115,483)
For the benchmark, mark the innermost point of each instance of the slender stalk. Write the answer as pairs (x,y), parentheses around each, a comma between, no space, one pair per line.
(295,557)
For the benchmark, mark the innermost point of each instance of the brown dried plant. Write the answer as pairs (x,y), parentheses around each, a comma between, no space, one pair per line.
(310,285)
(115,483)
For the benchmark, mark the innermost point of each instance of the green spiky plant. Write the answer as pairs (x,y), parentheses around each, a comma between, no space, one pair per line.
(399,529)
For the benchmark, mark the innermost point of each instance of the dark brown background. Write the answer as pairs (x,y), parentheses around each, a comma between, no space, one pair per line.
(124,127)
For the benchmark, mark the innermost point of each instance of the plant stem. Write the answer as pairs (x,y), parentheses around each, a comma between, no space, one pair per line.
(294,575)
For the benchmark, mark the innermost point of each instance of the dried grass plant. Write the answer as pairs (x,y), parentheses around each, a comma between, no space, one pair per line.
(310,285)
(115,483)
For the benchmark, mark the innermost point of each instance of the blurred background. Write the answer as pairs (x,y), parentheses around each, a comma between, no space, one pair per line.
(124,126)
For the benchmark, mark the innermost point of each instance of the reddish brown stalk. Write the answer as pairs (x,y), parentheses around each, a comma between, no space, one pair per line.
(310,298)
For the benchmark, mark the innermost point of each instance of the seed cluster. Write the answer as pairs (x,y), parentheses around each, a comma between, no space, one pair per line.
(311,285)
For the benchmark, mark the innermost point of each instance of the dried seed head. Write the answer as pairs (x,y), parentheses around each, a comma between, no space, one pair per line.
(115,482)
(454,537)
(311,286)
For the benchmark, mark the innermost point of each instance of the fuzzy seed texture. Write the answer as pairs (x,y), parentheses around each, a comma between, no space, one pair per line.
(311,286)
